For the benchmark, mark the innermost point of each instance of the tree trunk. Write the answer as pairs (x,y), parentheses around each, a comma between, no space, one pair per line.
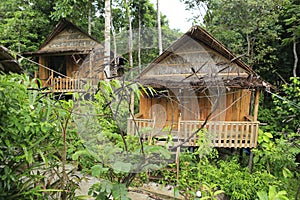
(296,58)
(130,34)
(115,46)
(90,19)
(139,42)
(159,28)
(107,39)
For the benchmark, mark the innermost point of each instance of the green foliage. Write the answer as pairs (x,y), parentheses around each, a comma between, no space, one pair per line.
(269,156)
(24,24)
(35,134)
(214,177)
(28,139)
(104,189)
(272,194)
(288,107)
(278,157)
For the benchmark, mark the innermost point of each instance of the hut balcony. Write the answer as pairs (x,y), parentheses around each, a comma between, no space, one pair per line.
(226,134)
(59,84)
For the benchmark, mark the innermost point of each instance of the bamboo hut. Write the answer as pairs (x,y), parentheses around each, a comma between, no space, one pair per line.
(199,83)
(69,58)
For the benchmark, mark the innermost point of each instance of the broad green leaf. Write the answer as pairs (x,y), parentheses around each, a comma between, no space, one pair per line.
(272,192)
(176,192)
(121,167)
(97,170)
(119,192)
(262,195)
(218,192)
(287,173)
(268,134)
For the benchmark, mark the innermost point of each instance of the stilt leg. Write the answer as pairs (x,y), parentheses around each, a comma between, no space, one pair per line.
(177,163)
(241,155)
(250,162)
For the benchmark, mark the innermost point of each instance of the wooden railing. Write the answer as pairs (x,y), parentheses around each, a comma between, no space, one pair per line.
(231,134)
(141,127)
(235,134)
(66,84)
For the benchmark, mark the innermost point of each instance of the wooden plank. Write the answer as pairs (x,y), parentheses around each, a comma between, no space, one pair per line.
(243,134)
(247,141)
(234,106)
(242,104)
(256,104)
(255,135)
(43,72)
(230,135)
(143,106)
(221,135)
(248,100)
(235,135)
(238,105)
(251,132)
(229,100)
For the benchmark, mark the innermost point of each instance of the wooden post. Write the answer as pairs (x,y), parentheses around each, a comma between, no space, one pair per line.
(177,163)
(256,103)
(250,162)
(255,115)
(131,104)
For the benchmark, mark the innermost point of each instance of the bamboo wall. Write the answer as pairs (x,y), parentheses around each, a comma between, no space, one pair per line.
(164,110)
(235,108)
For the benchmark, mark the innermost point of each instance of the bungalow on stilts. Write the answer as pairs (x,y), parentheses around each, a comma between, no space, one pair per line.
(199,84)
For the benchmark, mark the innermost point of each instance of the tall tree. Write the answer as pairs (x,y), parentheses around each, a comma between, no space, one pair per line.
(159,27)
(139,38)
(130,42)
(291,17)
(107,38)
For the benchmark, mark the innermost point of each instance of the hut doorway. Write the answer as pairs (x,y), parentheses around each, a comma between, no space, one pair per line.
(58,64)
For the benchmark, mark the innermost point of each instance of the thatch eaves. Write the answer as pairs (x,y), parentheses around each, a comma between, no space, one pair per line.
(8,63)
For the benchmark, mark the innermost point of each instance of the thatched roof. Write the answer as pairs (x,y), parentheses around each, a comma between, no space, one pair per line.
(7,62)
(67,38)
(198,59)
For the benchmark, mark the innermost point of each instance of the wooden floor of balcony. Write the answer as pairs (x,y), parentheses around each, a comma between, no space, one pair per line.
(228,134)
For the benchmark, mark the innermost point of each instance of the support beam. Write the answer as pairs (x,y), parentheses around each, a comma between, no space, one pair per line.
(256,104)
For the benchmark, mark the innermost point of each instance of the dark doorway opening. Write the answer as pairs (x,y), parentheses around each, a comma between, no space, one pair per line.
(58,64)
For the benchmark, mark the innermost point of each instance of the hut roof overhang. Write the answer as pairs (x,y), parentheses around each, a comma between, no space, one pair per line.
(66,38)
(197,59)
(8,63)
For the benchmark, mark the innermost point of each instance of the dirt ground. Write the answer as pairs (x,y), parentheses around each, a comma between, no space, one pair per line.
(150,191)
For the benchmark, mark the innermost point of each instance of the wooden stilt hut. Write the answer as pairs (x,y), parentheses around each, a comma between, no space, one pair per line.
(199,82)
(69,58)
